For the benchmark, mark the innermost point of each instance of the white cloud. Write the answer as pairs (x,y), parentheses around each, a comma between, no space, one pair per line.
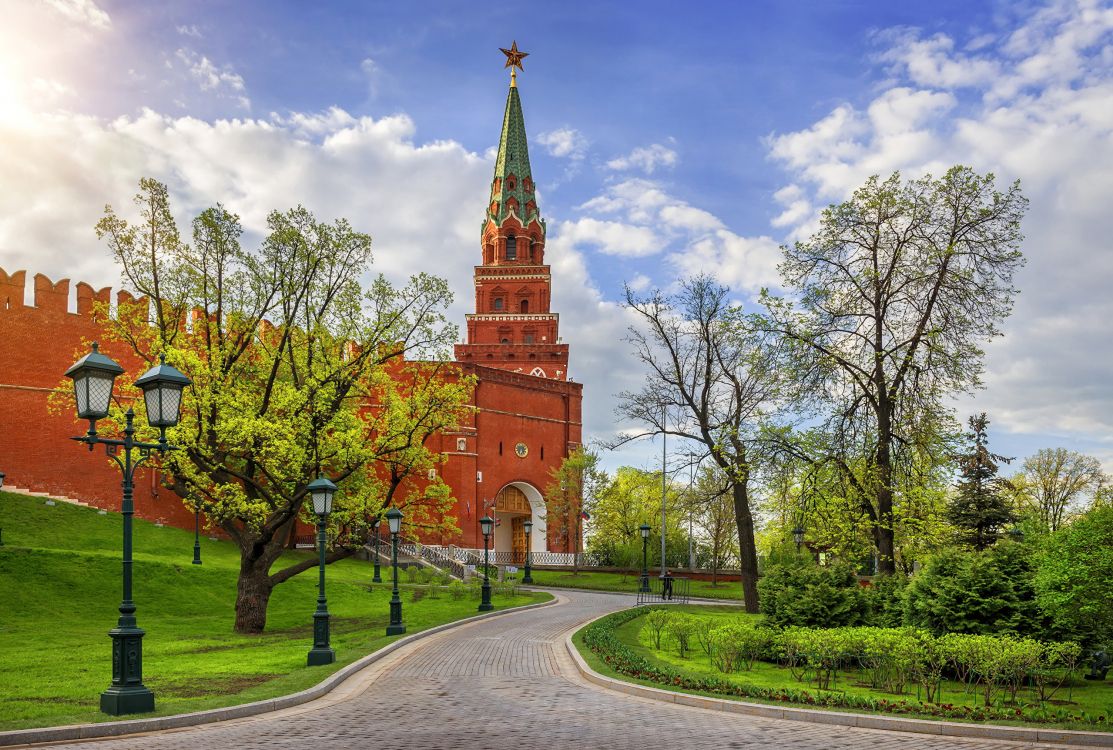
(611,237)
(647,159)
(742,263)
(564,143)
(639,283)
(189,30)
(373,72)
(1034,104)
(85,12)
(222,80)
(336,164)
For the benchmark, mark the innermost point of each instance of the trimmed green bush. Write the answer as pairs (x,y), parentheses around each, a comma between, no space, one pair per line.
(800,593)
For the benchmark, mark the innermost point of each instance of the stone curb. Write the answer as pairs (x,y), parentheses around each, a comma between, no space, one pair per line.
(177,721)
(691,599)
(864,721)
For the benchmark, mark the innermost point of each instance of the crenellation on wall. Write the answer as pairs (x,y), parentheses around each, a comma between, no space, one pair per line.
(87,297)
(51,296)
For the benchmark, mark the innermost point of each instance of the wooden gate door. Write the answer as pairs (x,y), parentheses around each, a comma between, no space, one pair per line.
(518,537)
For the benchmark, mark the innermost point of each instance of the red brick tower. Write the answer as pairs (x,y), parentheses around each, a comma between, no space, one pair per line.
(512,327)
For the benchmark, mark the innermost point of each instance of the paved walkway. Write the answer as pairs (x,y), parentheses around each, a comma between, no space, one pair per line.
(508,683)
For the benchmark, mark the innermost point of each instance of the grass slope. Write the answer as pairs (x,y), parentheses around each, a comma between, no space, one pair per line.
(60,585)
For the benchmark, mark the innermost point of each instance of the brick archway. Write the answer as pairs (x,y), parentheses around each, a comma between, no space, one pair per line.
(515,502)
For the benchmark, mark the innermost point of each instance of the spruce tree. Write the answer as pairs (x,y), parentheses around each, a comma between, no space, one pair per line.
(980,507)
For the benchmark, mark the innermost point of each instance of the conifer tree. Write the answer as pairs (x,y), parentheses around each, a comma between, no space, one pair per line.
(980,507)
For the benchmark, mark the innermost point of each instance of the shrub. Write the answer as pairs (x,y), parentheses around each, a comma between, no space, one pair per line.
(681,629)
(885,600)
(820,653)
(1075,577)
(801,593)
(739,643)
(411,573)
(457,590)
(656,620)
(417,594)
(964,592)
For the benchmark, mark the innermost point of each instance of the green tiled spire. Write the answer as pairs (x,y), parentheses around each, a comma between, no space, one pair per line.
(513,162)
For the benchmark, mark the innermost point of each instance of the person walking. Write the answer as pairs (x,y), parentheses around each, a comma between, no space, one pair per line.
(666,585)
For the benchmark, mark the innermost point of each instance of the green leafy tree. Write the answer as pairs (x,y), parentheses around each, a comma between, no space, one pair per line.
(897,291)
(291,361)
(1053,483)
(980,508)
(574,489)
(1075,577)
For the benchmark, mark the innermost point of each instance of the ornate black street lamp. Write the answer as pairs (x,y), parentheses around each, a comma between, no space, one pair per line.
(93,377)
(487,525)
(394,521)
(197,534)
(528,525)
(375,526)
(798,537)
(644,585)
(321,491)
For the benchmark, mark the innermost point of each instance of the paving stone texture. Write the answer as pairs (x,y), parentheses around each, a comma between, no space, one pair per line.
(509,683)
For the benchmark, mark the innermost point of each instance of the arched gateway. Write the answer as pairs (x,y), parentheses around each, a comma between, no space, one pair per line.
(515,504)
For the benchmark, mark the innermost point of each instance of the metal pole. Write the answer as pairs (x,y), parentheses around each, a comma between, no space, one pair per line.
(691,485)
(376,578)
(321,652)
(127,694)
(396,626)
(196,534)
(664,483)
(485,603)
(645,566)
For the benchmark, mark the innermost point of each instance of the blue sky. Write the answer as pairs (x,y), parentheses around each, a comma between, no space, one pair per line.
(666,139)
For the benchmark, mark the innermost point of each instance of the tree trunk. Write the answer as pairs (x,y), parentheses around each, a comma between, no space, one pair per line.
(883,527)
(253,592)
(747,548)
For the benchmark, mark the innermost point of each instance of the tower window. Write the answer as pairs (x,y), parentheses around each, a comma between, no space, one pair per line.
(498,303)
(511,248)
(505,341)
(529,340)
(525,306)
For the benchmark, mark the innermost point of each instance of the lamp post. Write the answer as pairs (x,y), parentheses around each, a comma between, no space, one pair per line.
(487,524)
(93,378)
(321,491)
(528,577)
(1,530)
(197,534)
(798,537)
(375,527)
(394,521)
(644,529)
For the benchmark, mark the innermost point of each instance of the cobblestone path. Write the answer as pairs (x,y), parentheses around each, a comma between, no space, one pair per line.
(508,683)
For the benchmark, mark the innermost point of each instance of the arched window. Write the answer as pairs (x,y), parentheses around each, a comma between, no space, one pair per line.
(538,372)
(525,306)
(511,248)
(505,341)
(498,303)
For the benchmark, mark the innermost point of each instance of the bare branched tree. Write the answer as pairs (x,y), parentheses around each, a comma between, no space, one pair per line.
(712,379)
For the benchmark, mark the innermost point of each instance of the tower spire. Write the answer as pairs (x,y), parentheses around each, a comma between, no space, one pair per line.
(513,327)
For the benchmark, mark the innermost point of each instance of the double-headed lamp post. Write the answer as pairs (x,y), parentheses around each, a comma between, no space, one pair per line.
(377,578)
(486,525)
(197,533)
(528,525)
(644,529)
(394,521)
(93,378)
(321,490)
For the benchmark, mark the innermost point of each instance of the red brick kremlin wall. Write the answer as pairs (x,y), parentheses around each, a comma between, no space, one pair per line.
(39,343)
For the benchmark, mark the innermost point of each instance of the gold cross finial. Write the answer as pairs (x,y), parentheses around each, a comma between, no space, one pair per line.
(514,60)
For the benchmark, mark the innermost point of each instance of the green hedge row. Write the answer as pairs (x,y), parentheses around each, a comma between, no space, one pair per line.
(600,637)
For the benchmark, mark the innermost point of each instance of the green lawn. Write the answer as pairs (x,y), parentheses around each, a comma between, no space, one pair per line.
(1089,697)
(629,583)
(60,578)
